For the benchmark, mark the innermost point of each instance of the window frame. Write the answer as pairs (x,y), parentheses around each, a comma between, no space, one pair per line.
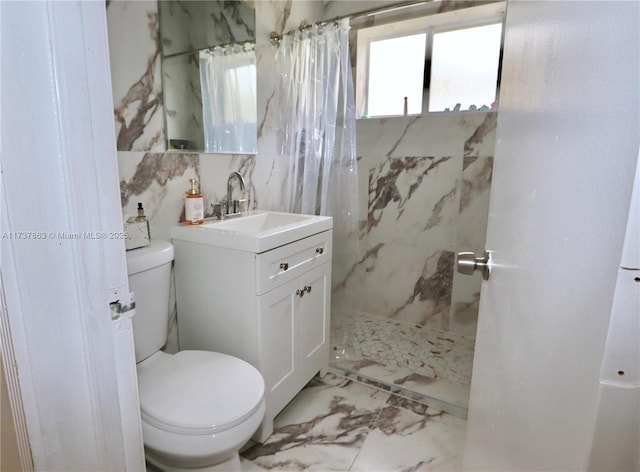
(482,15)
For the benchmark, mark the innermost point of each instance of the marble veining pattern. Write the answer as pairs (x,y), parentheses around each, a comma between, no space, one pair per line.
(385,184)
(336,424)
(156,168)
(434,289)
(427,196)
(138,106)
(481,142)
(420,441)
(190,25)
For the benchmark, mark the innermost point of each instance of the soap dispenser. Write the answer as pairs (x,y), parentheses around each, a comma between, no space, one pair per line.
(194,205)
(137,230)
(142,218)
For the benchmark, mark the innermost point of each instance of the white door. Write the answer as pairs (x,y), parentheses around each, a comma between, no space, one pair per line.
(68,355)
(566,150)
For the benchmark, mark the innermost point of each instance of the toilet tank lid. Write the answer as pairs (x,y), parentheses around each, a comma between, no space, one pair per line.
(158,252)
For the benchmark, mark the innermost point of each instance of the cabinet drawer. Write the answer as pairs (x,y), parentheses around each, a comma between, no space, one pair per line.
(285,263)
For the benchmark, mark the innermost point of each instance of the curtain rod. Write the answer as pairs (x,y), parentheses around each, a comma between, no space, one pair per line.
(275,37)
(194,51)
(388,8)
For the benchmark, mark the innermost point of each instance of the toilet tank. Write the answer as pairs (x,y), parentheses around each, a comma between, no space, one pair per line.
(149,270)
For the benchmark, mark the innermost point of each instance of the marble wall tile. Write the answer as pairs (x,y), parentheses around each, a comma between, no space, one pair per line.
(159,181)
(472,221)
(435,134)
(214,172)
(426,194)
(411,197)
(417,287)
(481,141)
(279,17)
(465,302)
(477,170)
(134,52)
(190,25)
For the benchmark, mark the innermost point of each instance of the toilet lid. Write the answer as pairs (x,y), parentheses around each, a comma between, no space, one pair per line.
(198,392)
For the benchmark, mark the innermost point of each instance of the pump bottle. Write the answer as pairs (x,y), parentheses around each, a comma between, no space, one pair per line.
(194,205)
(142,218)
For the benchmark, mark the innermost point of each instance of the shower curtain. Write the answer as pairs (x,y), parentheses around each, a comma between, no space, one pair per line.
(317,142)
(228,85)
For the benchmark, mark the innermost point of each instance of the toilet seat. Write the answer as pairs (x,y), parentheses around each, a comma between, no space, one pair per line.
(198,392)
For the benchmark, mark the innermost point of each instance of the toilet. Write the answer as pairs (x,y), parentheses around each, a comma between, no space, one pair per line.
(198,408)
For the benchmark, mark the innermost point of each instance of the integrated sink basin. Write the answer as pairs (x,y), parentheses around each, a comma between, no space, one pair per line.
(255,231)
(259,222)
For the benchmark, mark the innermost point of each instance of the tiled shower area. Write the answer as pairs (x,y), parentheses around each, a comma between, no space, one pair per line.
(402,317)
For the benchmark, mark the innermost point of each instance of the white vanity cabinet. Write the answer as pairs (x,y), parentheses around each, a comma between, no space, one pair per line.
(271,309)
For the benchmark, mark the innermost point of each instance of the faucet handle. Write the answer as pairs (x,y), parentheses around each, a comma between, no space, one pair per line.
(219,209)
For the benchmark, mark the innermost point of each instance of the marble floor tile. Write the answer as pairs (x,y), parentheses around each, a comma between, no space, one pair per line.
(248,466)
(336,424)
(404,440)
(322,428)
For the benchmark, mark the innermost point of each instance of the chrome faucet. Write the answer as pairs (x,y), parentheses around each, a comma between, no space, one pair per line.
(233,206)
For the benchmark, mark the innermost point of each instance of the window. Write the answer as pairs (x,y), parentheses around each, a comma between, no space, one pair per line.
(395,78)
(464,67)
(444,62)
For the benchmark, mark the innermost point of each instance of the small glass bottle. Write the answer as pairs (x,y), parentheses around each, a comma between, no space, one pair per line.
(194,205)
(142,218)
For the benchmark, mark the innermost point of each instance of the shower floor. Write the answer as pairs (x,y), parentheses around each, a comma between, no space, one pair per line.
(420,362)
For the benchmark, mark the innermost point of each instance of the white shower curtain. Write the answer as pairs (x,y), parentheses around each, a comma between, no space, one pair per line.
(228,84)
(316,126)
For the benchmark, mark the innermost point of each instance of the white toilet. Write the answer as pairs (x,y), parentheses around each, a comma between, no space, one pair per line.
(198,408)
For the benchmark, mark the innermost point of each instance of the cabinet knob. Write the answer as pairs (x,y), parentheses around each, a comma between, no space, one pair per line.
(319,250)
(300,293)
(284,265)
(307,288)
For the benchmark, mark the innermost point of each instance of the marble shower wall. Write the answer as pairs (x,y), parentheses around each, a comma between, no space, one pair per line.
(424,195)
(159,179)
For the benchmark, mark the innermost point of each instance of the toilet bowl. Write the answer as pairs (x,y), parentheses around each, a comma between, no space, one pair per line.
(198,408)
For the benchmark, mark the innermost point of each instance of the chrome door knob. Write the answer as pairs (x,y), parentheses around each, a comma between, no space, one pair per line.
(467,263)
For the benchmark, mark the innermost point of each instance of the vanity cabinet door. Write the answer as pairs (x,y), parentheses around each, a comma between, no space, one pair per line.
(275,339)
(293,338)
(312,321)
(277,346)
